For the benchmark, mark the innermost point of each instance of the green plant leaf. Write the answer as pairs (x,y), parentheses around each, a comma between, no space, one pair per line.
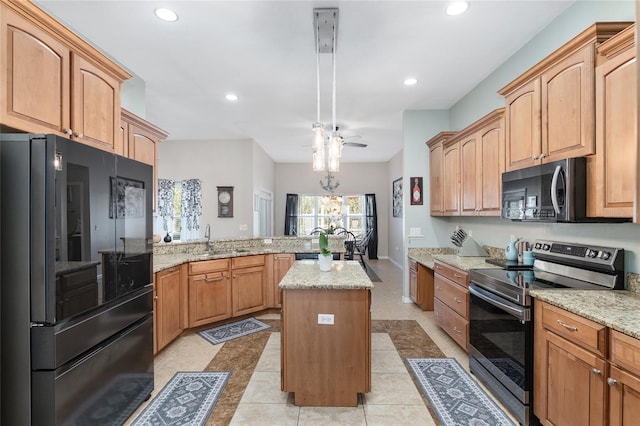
(323,243)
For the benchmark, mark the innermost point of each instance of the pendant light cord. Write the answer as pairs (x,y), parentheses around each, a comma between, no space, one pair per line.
(333,60)
(318,68)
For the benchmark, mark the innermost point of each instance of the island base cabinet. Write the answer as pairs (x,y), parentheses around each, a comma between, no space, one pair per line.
(326,364)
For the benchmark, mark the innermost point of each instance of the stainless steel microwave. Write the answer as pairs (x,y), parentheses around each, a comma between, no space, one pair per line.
(552,192)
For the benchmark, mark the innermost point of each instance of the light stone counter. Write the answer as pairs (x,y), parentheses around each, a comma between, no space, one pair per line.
(344,275)
(617,309)
(426,256)
(73,266)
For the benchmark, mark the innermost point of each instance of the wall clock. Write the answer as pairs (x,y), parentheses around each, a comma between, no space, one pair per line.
(225,201)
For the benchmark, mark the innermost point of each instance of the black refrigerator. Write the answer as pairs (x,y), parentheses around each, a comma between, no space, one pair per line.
(76,302)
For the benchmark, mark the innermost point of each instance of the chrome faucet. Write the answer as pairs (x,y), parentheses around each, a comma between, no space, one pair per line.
(207,235)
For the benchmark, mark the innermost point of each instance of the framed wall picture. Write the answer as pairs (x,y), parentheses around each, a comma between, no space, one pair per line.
(397,197)
(416,191)
(225,201)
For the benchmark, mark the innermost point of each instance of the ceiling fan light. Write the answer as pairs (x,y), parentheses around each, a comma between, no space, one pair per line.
(318,160)
(317,139)
(334,162)
(410,81)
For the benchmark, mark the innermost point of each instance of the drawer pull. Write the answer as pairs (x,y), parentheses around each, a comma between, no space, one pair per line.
(438,267)
(439,315)
(612,382)
(439,288)
(210,280)
(457,275)
(596,372)
(567,326)
(456,330)
(457,300)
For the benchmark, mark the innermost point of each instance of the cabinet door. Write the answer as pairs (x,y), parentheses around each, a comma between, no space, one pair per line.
(491,158)
(413,282)
(209,298)
(575,384)
(281,265)
(168,306)
(624,398)
(451,179)
(34,77)
(143,146)
(248,287)
(469,172)
(424,287)
(436,155)
(568,107)
(95,115)
(522,126)
(612,171)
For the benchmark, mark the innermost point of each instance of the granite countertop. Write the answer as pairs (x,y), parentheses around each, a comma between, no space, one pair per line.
(73,266)
(165,261)
(617,309)
(461,262)
(344,275)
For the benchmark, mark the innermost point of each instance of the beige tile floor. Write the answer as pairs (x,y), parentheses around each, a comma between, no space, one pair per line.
(394,399)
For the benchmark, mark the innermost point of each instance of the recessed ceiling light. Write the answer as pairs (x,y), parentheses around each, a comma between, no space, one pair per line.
(166,14)
(410,81)
(231,97)
(457,7)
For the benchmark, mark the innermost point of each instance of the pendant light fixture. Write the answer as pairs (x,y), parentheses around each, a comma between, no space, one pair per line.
(326,31)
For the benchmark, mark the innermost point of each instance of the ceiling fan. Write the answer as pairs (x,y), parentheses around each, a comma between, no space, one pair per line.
(349,140)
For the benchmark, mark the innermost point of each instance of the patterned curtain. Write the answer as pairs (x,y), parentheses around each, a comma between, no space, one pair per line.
(165,201)
(191,204)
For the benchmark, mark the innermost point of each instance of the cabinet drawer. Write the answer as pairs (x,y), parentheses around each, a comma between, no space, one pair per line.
(452,323)
(453,295)
(205,266)
(574,328)
(413,265)
(625,351)
(454,274)
(245,261)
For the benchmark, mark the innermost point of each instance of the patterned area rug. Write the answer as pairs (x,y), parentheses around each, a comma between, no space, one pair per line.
(231,331)
(454,395)
(187,399)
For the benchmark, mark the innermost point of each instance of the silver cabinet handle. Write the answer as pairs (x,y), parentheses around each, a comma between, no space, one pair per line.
(210,280)
(67,131)
(612,381)
(456,330)
(596,372)
(567,326)
(155,297)
(439,288)
(457,300)
(438,314)
(457,275)
(78,135)
(542,156)
(535,157)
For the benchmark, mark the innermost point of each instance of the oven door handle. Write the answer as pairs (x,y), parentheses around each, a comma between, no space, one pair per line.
(520,313)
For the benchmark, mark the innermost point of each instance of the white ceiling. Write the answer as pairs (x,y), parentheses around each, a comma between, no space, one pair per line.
(264,52)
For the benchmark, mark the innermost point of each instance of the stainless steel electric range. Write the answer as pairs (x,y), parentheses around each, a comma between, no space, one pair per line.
(500,313)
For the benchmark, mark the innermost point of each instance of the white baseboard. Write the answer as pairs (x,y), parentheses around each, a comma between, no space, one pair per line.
(406,300)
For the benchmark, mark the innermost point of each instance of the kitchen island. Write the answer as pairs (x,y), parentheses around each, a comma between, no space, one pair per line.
(326,333)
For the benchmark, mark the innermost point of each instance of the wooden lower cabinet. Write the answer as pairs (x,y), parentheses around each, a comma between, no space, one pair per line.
(575,384)
(209,292)
(248,284)
(451,302)
(168,305)
(280,264)
(326,365)
(421,285)
(584,373)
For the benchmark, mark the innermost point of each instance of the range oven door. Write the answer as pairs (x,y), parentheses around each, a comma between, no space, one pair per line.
(501,348)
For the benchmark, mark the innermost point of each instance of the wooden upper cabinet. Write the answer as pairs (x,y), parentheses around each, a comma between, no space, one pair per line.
(451,178)
(612,173)
(481,165)
(436,172)
(550,109)
(35,77)
(95,117)
(139,140)
(523,128)
(568,107)
(52,81)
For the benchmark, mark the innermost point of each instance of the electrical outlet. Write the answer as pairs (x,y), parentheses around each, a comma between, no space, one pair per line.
(326,319)
(315,241)
(470,233)
(267,241)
